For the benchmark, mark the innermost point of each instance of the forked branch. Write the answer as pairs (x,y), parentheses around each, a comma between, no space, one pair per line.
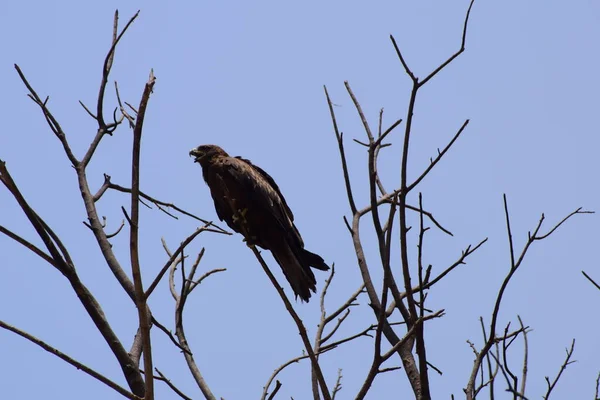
(180,300)
(515,263)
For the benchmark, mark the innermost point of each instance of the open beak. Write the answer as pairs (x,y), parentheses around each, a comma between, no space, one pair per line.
(196,154)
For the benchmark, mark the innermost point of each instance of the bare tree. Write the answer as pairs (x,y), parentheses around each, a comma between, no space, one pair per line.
(400,316)
(399,306)
(140,382)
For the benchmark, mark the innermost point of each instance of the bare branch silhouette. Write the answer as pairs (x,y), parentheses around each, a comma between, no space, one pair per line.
(180,300)
(516,262)
(70,360)
(564,366)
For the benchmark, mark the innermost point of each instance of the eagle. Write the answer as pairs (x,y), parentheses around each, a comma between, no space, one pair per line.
(250,202)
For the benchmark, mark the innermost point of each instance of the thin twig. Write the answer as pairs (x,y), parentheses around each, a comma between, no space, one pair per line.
(324,349)
(434,162)
(348,303)
(459,52)
(403,61)
(108,61)
(319,334)
(591,280)
(124,112)
(276,372)
(103,127)
(564,366)
(340,139)
(163,378)
(515,264)
(50,119)
(112,235)
(408,336)
(28,245)
(525,357)
(335,327)
(169,335)
(277,387)
(172,258)
(179,326)
(431,218)
(338,385)
(551,231)
(198,281)
(465,253)
(160,203)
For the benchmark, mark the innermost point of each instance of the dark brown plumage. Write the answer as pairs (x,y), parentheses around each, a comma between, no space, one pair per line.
(250,202)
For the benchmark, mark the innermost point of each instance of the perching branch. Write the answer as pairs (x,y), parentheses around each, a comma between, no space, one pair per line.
(299,324)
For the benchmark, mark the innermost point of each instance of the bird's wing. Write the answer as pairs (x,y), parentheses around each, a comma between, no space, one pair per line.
(220,209)
(272,183)
(265,193)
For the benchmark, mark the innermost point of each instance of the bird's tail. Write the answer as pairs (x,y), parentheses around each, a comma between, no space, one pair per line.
(314,260)
(296,268)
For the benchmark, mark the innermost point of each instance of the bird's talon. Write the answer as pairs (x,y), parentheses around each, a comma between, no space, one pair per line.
(250,242)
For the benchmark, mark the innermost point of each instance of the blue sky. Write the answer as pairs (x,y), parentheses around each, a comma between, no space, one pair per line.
(249,76)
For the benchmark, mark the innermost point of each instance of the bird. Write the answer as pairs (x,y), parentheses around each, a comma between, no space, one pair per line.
(251,203)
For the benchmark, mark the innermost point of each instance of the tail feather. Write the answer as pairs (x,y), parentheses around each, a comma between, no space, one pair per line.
(296,268)
(298,274)
(295,264)
(314,260)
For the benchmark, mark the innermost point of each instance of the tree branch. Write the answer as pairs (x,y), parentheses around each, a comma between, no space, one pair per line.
(340,139)
(515,264)
(299,324)
(591,280)
(564,366)
(180,300)
(122,391)
(459,52)
(140,298)
(28,245)
(160,204)
(172,258)
(52,122)
(163,378)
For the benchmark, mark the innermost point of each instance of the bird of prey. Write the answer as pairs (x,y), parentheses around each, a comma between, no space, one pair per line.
(250,202)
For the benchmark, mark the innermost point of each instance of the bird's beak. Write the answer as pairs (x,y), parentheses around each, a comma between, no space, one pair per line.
(197,154)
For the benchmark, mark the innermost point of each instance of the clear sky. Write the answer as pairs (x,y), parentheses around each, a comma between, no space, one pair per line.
(248,76)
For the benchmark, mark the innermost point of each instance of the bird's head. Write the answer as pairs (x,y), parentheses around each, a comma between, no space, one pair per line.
(206,152)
